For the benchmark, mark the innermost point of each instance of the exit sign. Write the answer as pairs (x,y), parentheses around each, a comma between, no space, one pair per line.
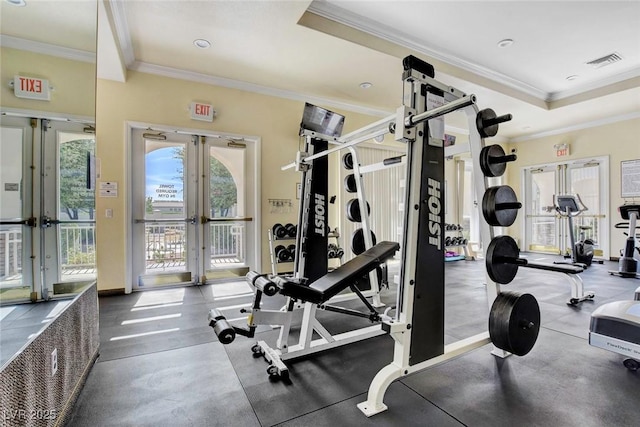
(31,88)
(202,112)
(562,150)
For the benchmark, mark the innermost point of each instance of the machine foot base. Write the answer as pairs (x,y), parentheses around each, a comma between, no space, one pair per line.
(370,410)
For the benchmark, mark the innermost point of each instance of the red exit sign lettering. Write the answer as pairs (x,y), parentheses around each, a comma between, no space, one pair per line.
(31,88)
(202,112)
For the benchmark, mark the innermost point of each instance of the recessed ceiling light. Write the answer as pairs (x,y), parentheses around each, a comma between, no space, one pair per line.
(572,77)
(505,43)
(366,85)
(202,43)
(19,3)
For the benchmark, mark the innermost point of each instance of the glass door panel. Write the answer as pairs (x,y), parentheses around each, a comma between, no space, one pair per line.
(541,219)
(164,210)
(585,180)
(227,220)
(16,282)
(74,217)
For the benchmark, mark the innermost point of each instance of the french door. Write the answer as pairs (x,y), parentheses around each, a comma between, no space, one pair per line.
(194,201)
(47,230)
(545,230)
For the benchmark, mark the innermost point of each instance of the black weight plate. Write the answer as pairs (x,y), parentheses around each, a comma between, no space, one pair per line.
(347,161)
(357,241)
(279,231)
(350,183)
(353,210)
(514,322)
(492,169)
(500,271)
(482,117)
(493,213)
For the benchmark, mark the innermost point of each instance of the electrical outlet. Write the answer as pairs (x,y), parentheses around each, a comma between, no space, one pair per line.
(54,361)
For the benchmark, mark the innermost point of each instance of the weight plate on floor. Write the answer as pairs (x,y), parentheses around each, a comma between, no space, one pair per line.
(514,322)
(501,248)
(357,241)
(500,206)
(353,210)
(350,183)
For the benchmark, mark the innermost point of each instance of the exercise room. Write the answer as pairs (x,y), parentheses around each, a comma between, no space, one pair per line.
(319,213)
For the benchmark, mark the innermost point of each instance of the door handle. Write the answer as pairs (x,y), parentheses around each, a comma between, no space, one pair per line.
(48,222)
(31,222)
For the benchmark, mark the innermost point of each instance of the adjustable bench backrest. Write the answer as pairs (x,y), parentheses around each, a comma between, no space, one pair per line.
(342,277)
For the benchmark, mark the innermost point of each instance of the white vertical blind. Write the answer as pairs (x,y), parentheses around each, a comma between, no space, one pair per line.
(385,195)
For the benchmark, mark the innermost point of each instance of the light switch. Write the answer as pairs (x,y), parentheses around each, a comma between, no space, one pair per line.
(108,213)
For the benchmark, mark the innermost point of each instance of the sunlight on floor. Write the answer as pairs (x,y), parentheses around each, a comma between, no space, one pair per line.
(163,296)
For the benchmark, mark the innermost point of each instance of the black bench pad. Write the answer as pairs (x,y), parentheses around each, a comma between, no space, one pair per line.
(559,268)
(342,277)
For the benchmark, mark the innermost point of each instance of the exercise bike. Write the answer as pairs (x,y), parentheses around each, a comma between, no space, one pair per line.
(628,265)
(582,251)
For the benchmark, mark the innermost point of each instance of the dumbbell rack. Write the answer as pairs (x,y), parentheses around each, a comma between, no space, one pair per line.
(272,253)
(466,255)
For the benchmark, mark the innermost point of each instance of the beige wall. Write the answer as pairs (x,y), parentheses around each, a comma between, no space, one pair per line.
(619,141)
(159,100)
(73,82)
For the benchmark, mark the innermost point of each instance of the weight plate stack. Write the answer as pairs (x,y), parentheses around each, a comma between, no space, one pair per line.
(514,322)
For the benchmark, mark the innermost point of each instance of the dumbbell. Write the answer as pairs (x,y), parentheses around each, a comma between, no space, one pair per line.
(262,283)
(282,253)
(447,241)
(292,251)
(487,122)
(493,160)
(291,229)
(223,329)
(500,206)
(339,252)
(331,250)
(279,231)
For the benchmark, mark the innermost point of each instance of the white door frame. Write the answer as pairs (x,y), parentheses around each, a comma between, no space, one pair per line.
(253,189)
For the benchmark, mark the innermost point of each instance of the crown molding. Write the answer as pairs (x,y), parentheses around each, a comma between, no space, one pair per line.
(47,49)
(123,34)
(342,16)
(581,126)
(617,78)
(255,88)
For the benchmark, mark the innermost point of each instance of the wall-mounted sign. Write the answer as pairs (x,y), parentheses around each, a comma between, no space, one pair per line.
(201,111)
(31,88)
(562,150)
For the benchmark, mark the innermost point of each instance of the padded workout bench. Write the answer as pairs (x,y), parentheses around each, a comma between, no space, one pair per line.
(503,260)
(342,277)
(615,326)
(572,273)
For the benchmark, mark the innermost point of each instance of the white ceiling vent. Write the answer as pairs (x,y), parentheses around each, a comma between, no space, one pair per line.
(605,60)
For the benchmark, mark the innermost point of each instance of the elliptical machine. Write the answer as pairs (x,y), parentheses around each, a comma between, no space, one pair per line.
(628,265)
(582,251)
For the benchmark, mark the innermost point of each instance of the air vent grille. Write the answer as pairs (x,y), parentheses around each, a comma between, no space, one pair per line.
(605,60)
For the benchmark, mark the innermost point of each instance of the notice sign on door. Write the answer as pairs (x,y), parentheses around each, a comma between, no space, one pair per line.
(31,88)
(202,112)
